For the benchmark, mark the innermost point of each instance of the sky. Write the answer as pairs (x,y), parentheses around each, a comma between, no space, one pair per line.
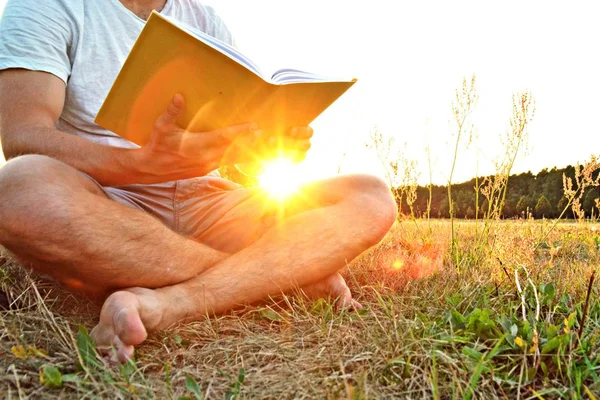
(409,57)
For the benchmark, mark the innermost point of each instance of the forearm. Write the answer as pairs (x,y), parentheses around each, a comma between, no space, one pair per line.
(110,166)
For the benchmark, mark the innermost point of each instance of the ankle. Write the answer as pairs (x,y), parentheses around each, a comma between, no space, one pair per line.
(182,304)
(151,308)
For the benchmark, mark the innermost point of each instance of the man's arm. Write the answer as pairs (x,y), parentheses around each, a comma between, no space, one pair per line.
(30,104)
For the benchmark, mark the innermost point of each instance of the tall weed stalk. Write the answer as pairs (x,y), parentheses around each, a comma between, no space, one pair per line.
(463,105)
(573,192)
(495,188)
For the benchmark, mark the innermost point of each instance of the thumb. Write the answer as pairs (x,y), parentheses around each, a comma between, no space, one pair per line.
(173,112)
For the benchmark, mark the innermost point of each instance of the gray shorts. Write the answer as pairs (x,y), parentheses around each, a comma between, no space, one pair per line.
(208,209)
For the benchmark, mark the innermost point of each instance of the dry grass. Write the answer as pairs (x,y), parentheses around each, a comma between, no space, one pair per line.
(459,334)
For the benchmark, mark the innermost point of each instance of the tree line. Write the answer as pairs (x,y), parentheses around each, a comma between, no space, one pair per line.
(539,196)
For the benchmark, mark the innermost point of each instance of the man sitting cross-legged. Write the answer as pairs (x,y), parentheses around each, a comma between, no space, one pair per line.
(153,227)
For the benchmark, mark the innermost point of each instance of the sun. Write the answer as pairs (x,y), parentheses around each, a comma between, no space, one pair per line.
(280,178)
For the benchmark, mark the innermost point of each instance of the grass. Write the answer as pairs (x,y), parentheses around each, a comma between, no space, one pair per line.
(507,323)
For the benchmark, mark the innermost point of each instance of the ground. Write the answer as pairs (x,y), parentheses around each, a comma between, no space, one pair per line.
(505,317)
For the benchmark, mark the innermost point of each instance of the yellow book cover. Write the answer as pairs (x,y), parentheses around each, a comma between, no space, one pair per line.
(220,85)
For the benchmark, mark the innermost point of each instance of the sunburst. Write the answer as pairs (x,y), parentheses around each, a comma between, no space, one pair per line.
(280,178)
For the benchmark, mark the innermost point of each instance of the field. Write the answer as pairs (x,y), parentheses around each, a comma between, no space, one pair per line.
(512,312)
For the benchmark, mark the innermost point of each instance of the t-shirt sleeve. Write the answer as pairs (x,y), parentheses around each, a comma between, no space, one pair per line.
(218,29)
(38,36)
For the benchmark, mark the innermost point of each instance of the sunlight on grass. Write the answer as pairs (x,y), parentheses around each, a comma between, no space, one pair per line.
(280,178)
(541,338)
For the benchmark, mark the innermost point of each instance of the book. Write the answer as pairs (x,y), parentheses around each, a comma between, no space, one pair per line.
(221,86)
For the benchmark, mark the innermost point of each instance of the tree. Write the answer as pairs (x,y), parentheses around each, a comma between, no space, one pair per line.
(543,207)
(444,208)
(561,206)
(470,214)
(522,205)
(589,201)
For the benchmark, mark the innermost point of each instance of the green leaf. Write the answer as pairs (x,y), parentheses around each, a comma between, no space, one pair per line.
(497,349)
(572,319)
(479,369)
(70,378)
(457,320)
(271,315)
(551,345)
(362,312)
(454,300)
(192,386)
(531,373)
(526,330)
(551,331)
(50,376)
(472,353)
(86,348)
(127,369)
(544,369)
(549,291)
(241,375)
(506,324)
(473,317)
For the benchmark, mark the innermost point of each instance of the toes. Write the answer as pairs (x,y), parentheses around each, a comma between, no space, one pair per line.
(129,327)
(120,327)
(344,298)
(356,305)
(123,353)
(335,288)
(103,337)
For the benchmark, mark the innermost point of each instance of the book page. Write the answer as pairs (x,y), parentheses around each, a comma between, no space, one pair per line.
(287,76)
(223,47)
(221,87)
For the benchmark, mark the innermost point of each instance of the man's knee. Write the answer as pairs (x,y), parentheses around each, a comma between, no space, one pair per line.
(32,184)
(31,172)
(374,203)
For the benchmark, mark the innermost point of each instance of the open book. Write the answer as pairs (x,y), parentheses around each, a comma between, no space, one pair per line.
(220,85)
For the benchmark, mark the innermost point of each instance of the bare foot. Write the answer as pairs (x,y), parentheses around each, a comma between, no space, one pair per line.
(128,315)
(333,287)
(124,320)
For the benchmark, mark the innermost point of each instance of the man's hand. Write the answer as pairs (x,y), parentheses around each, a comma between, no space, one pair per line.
(31,103)
(174,153)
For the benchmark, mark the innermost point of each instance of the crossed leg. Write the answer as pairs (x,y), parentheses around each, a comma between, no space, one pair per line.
(58,221)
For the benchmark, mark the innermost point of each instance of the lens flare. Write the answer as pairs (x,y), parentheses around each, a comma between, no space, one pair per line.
(280,178)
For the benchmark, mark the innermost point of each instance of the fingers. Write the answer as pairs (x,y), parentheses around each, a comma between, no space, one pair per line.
(248,136)
(292,147)
(301,132)
(168,119)
(245,143)
(212,146)
(296,139)
(296,143)
(230,133)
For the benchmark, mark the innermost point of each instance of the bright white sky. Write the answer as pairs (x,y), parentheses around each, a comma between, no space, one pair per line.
(409,56)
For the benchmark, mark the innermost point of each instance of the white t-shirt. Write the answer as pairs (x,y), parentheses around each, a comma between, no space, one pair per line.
(85,43)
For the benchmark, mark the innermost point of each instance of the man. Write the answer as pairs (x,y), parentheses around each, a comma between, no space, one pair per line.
(152,225)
